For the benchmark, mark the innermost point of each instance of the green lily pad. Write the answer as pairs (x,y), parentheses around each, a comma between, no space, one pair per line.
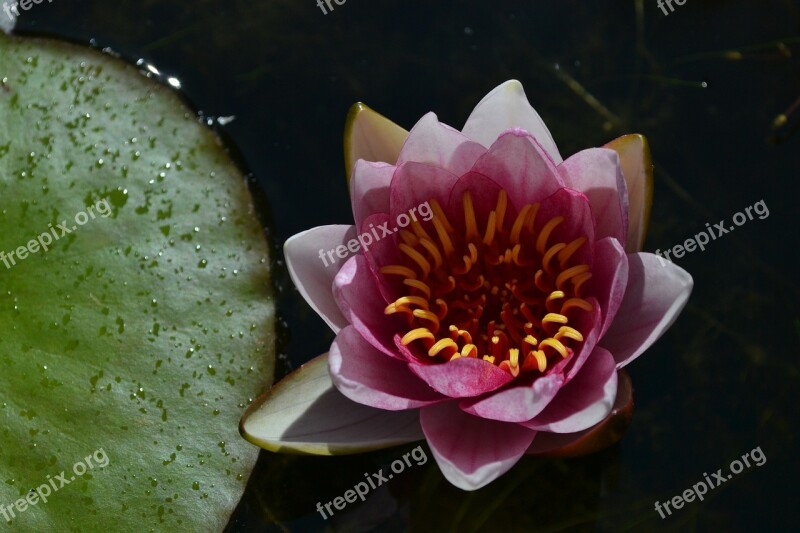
(144,331)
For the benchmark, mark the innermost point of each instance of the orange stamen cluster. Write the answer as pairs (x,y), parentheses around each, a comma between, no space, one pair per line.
(503,293)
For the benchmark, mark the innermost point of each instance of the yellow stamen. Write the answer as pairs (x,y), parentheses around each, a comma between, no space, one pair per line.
(408,237)
(419,231)
(398,270)
(570,333)
(548,228)
(490,228)
(469,218)
(434,251)
(551,317)
(530,339)
(392,309)
(417,334)
(462,333)
(493,292)
(418,285)
(442,308)
(441,345)
(538,279)
(513,361)
(430,317)
(575,302)
(418,258)
(553,250)
(571,248)
(516,229)
(412,300)
(570,273)
(537,357)
(556,345)
(439,213)
(578,282)
(532,218)
(444,238)
(555,295)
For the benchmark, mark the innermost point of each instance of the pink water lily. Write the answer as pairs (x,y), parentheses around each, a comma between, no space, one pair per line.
(493,311)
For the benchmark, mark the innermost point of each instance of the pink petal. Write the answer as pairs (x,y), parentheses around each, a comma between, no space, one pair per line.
(415,184)
(517,403)
(584,401)
(472,452)
(597,174)
(369,189)
(520,165)
(372,378)
(463,377)
(434,143)
(312,270)
(656,293)
(356,292)
(504,108)
(304,413)
(598,437)
(609,278)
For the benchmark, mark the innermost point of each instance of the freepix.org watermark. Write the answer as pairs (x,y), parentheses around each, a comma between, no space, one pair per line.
(322,5)
(24,4)
(704,237)
(43,241)
(54,483)
(373,481)
(365,239)
(701,488)
(662,7)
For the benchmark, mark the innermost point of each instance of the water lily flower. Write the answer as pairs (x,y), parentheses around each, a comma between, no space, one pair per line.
(494,309)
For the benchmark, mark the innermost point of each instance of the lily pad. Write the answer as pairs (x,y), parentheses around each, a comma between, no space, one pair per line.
(142,332)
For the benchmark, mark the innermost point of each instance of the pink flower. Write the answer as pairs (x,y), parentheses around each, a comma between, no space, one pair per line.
(495,322)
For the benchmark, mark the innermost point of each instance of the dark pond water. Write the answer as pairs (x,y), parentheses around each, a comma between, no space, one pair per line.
(703,83)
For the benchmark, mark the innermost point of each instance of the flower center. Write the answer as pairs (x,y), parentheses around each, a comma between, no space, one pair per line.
(503,293)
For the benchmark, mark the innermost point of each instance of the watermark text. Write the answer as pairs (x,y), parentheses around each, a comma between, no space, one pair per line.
(24,4)
(54,483)
(43,241)
(373,481)
(701,488)
(365,240)
(321,4)
(664,4)
(712,233)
